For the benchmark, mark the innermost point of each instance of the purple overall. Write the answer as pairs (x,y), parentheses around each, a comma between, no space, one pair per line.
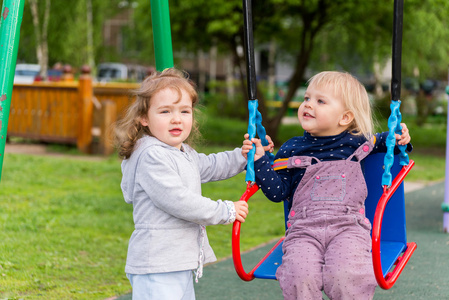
(328,244)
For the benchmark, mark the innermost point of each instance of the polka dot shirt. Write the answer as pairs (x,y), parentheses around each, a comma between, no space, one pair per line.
(281,185)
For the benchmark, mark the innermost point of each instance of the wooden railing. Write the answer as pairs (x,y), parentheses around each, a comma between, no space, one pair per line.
(74,112)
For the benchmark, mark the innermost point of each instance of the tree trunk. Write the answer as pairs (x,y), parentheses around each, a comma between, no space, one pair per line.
(213,67)
(201,72)
(230,92)
(41,35)
(90,39)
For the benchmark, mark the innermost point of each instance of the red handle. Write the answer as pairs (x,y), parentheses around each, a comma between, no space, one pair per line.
(251,189)
(389,280)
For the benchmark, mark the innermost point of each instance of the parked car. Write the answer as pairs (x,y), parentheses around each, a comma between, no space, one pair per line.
(52,75)
(121,72)
(26,73)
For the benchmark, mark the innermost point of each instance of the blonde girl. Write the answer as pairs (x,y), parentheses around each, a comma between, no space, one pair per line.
(327,244)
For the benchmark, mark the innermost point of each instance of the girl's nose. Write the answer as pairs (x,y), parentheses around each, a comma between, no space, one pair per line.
(176,118)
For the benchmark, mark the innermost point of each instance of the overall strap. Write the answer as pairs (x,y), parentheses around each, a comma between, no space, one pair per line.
(294,162)
(362,151)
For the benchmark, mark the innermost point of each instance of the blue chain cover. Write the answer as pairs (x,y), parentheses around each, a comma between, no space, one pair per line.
(394,126)
(255,126)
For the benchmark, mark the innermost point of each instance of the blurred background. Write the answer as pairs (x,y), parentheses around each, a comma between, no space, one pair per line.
(293,40)
(64,225)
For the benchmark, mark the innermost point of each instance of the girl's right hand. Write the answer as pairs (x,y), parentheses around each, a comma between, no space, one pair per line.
(241,210)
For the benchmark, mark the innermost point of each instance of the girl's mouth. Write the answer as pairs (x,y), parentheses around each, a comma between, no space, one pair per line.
(307,115)
(175,131)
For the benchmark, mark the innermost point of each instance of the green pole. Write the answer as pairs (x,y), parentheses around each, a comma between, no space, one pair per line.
(11,19)
(163,50)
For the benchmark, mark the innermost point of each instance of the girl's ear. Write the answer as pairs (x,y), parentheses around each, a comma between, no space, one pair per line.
(347,118)
(144,121)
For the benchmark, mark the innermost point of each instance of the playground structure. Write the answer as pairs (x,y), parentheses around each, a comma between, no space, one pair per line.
(390,251)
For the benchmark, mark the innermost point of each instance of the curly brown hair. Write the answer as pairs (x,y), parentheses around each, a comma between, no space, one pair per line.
(129,130)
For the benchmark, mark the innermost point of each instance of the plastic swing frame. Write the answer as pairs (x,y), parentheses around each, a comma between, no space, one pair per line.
(386,273)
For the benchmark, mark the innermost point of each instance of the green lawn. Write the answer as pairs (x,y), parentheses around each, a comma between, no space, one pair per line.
(64,225)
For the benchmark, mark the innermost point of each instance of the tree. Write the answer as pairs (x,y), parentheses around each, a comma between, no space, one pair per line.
(67,32)
(295,25)
(41,32)
(324,34)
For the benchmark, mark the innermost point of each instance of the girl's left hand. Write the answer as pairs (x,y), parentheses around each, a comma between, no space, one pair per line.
(404,138)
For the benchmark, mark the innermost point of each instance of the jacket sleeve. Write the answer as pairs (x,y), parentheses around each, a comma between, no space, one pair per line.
(220,166)
(160,180)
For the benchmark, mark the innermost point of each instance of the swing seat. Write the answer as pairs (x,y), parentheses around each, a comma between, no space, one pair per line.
(394,249)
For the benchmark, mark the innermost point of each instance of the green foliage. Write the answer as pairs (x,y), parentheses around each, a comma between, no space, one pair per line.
(67,34)
(220,104)
(222,131)
(425,32)
(64,226)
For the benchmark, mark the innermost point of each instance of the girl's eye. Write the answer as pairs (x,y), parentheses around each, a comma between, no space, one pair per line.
(306,99)
(164,111)
(321,101)
(186,111)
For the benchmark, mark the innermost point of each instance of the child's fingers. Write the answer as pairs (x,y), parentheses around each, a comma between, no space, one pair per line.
(246,136)
(241,216)
(240,219)
(248,143)
(270,141)
(257,142)
(404,127)
(403,139)
(268,148)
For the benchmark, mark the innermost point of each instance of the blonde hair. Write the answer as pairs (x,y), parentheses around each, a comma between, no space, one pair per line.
(354,96)
(129,129)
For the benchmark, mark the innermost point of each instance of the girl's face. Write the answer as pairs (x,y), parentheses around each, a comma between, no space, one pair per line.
(169,118)
(322,113)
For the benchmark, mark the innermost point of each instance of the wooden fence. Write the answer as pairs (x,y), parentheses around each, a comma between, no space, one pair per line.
(74,112)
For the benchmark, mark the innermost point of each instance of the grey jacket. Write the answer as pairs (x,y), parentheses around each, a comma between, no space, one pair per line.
(164,186)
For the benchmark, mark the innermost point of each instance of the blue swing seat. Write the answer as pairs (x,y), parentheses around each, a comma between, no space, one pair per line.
(394,236)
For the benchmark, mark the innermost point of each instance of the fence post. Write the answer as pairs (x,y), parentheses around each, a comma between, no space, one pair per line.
(86,107)
(108,114)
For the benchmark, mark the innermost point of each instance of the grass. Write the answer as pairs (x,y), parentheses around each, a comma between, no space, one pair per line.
(64,229)
(64,225)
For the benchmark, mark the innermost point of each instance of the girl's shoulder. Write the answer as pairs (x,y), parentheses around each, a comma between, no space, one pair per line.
(290,147)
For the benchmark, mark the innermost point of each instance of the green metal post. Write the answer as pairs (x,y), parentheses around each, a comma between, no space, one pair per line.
(163,50)
(11,19)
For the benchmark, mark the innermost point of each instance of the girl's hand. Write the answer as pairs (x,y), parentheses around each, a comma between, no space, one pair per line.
(241,211)
(260,150)
(404,138)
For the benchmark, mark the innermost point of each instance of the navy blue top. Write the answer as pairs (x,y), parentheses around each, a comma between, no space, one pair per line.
(281,185)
